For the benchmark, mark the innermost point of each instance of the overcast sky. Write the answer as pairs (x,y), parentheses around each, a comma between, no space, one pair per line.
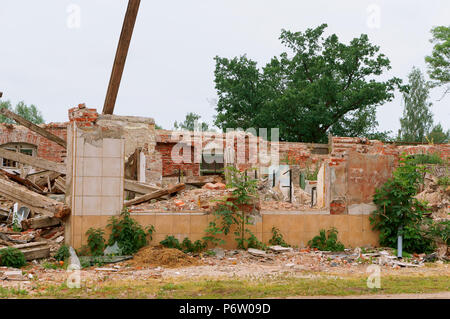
(48,59)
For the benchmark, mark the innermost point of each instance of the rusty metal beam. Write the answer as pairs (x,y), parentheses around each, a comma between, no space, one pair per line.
(121,56)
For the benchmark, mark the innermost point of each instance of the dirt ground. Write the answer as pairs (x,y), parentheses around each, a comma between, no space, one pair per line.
(231,264)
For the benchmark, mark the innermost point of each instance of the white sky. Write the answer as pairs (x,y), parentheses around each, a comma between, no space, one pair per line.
(169,69)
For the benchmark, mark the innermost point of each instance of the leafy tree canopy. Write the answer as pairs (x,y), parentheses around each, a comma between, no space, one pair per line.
(437,135)
(417,118)
(321,86)
(439,60)
(189,123)
(30,113)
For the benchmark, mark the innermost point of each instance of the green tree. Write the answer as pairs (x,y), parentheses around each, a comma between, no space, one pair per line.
(437,135)
(189,123)
(30,113)
(417,118)
(321,86)
(5,105)
(399,212)
(439,60)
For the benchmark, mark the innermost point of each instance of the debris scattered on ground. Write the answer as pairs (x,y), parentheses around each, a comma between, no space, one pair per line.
(219,252)
(16,275)
(107,269)
(215,186)
(93,260)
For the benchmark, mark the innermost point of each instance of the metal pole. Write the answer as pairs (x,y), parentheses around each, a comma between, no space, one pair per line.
(400,243)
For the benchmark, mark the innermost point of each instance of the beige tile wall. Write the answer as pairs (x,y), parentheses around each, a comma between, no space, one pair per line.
(97,183)
(297,229)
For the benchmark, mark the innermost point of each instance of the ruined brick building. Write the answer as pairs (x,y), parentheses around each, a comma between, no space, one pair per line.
(103,151)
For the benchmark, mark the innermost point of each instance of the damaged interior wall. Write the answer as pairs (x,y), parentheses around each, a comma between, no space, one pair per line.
(95,171)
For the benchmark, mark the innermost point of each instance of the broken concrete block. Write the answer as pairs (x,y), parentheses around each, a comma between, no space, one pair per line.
(13,275)
(280,249)
(220,253)
(257,252)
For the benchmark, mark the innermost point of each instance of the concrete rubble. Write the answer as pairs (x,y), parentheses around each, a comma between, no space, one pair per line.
(203,198)
(32,210)
(437,197)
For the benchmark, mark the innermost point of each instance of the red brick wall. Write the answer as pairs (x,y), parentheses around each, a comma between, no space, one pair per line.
(342,145)
(362,165)
(169,168)
(300,154)
(46,149)
(293,153)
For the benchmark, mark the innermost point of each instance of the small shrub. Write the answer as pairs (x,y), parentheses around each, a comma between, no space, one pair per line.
(440,231)
(405,254)
(85,263)
(277,238)
(16,227)
(128,233)
(171,242)
(95,240)
(83,251)
(236,209)
(187,246)
(425,158)
(253,242)
(210,253)
(327,240)
(12,257)
(62,253)
(48,265)
(399,212)
(212,232)
(195,247)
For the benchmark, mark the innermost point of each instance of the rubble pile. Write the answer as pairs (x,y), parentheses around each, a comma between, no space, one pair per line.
(273,198)
(203,198)
(31,224)
(437,197)
(199,199)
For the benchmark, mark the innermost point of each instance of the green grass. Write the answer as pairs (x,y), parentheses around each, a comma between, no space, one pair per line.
(12,292)
(281,286)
